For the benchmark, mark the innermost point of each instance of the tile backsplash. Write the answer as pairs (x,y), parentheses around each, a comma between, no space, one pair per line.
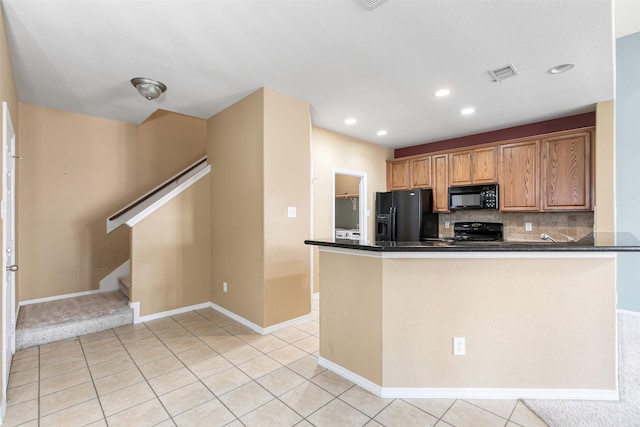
(574,224)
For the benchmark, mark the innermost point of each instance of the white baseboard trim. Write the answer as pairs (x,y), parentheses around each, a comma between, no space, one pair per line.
(366,384)
(628,312)
(468,393)
(138,319)
(262,331)
(293,322)
(249,324)
(315,296)
(135,306)
(110,281)
(259,329)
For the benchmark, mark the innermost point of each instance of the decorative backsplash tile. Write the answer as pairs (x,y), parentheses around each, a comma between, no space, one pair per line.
(574,224)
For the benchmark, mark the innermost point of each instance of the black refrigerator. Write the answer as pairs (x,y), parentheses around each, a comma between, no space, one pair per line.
(405,216)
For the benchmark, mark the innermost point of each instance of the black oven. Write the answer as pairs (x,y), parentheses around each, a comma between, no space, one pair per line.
(473,197)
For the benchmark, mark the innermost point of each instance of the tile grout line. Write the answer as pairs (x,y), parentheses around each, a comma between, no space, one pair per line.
(143,376)
(188,368)
(93,383)
(254,380)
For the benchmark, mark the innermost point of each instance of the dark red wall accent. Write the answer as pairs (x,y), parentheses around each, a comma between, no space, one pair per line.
(539,128)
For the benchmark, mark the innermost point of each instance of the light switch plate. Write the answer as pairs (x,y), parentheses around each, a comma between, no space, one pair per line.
(291,212)
(458,346)
(528,226)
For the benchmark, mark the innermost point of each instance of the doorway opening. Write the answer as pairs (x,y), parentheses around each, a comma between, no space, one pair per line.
(350,205)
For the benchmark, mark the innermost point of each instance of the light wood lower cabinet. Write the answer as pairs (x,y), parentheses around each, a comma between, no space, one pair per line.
(566,172)
(519,176)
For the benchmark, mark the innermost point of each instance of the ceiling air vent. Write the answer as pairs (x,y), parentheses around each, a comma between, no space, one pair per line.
(502,73)
(371,4)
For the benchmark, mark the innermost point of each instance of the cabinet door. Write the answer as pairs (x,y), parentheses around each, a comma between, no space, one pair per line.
(398,175)
(460,168)
(485,165)
(519,176)
(440,183)
(421,172)
(566,172)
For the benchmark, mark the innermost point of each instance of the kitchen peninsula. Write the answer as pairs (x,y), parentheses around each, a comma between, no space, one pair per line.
(538,320)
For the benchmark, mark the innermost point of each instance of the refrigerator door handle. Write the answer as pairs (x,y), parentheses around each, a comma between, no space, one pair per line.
(392,223)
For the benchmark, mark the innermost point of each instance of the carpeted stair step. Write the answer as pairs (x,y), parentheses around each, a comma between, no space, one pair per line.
(125,285)
(61,319)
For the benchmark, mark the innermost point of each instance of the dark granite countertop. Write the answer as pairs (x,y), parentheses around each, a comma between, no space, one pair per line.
(594,242)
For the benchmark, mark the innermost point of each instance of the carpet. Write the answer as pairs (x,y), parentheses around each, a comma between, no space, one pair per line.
(57,320)
(591,413)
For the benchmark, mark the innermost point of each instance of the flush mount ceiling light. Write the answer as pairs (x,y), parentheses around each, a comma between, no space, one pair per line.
(559,69)
(442,92)
(381,132)
(467,111)
(350,121)
(148,88)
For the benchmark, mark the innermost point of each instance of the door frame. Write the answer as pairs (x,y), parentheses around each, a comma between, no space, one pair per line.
(8,203)
(363,214)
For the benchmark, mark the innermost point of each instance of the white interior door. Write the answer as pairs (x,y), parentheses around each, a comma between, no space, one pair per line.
(8,244)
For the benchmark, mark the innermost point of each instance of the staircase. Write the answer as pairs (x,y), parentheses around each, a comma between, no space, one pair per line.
(49,321)
(125,285)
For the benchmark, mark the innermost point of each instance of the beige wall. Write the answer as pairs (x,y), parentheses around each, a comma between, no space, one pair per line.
(351,329)
(75,171)
(234,149)
(287,131)
(166,144)
(605,154)
(347,184)
(7,94)
(171,252)
(259,151)
(331,150)
(528,323)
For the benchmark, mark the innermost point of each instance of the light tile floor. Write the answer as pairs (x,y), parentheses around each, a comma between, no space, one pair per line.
(202,368)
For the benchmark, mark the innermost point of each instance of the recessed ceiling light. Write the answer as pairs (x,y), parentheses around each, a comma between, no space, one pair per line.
(559,69)
(381,132)
(350,121)
(442,92)
(467,111)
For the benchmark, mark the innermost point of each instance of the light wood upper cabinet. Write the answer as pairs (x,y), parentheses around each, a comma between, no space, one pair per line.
(398,175)
(440,183)
(566,172)
(484,165)
(460,168)
(519,176)
(421,172)
(477,166)
(553,172)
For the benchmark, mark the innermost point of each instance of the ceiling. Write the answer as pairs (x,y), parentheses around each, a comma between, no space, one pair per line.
(379,66)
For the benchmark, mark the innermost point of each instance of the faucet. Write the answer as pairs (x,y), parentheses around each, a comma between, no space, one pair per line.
(545,236)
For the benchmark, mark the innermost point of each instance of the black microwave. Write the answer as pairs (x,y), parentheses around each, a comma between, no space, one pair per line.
(473,197)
